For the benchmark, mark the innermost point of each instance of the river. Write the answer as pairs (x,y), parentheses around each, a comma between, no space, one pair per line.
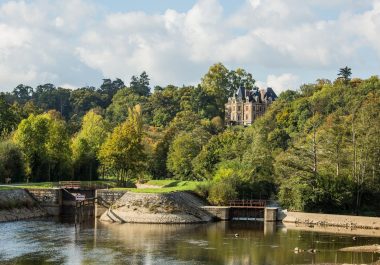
(244,242)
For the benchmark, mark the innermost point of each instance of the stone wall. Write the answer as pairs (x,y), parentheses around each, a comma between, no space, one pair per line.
(108,197)
(160,208)
(49,199)
(332,220)
(219,212)
(17,204)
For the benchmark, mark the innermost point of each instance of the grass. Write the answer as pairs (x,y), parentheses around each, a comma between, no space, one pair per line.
(49,185)
(39,185)
(166,186)
(8,188)
(163,182)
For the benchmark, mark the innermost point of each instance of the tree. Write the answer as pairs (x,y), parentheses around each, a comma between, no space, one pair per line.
(84,99)
(215,83)
(123,101)
(8,117)
(44,142)
(11,162)
(140,85)
(86,145)
(109,88)
(58,148)
(184,148)
(163,105)
(122,152)
(23,93)
(240,78)
(345,74)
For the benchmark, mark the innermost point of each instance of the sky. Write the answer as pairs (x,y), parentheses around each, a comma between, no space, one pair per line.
(283,43)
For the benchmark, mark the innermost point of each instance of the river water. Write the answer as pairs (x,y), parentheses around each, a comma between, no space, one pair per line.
(244,242)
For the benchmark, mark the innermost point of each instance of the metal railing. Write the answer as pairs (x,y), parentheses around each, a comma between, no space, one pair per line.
(248,203)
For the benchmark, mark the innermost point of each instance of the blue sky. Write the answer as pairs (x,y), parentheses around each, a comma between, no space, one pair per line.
(283,43)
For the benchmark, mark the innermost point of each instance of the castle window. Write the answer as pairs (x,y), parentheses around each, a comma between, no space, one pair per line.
(246,117)
(239,108)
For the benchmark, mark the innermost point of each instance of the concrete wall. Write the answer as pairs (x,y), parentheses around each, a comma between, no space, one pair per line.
(270,214)
(219,212)
(109,196)
(49,199)
(332,220)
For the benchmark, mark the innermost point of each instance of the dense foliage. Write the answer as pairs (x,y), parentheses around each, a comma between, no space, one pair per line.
(315,149)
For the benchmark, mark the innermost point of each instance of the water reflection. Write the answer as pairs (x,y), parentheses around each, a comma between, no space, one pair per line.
(52,242)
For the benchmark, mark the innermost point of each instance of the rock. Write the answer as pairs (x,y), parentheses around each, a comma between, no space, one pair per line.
(367,248)
(174,207)
(17,204)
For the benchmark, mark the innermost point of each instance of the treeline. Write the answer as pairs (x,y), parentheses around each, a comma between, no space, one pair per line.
(316,149)
(84,133)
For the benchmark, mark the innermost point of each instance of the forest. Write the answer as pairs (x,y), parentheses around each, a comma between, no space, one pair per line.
(316,149)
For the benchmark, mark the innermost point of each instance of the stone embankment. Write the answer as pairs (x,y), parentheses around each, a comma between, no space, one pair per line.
(17,204)
(350,221)
(168,208)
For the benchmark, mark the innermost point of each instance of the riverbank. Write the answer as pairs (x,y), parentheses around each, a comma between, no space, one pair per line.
(316,219)
(17,204)
(168,208)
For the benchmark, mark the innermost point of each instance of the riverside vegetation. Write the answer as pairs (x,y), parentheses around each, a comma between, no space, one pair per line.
(315,149)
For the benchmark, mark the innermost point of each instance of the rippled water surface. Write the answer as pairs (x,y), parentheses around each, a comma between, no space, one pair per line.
(244,242)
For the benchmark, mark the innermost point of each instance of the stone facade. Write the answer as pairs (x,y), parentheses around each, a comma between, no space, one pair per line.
(247,105)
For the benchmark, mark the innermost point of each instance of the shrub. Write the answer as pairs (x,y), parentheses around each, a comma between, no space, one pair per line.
(128,183)
(222,192)
(203,189)
(11,162)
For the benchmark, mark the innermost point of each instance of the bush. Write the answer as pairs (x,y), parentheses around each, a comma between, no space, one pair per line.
(128,183)
(203,189)
(11,162)
(222,192)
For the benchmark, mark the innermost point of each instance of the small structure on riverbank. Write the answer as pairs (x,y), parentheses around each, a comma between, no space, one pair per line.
(173,207)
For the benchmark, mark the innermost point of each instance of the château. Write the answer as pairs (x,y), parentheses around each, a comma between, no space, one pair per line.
(247,105)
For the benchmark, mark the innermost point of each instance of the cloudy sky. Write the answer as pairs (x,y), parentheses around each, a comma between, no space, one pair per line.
(283,43)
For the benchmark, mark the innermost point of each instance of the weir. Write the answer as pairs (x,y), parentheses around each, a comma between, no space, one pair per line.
(75,202)
(79,203)
(244,210)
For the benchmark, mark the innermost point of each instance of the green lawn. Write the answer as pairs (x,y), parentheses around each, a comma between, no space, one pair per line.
(162,182)
(7,188)
(166,186)
(49,185)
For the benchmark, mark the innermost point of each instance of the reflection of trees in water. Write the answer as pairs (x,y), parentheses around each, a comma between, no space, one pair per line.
(226,243)
(214,243)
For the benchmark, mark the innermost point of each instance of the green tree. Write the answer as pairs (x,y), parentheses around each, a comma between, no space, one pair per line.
(109,88)
(345,74)
(123,101)
(215,83)
(8,117)
(240,78)
(11,162)
(86,145)
(44,142)
(122,152)
(163,105)
(140,85)
(183,150)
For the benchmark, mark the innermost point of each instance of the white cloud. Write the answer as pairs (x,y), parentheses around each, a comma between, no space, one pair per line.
(283,82)
(77,42)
